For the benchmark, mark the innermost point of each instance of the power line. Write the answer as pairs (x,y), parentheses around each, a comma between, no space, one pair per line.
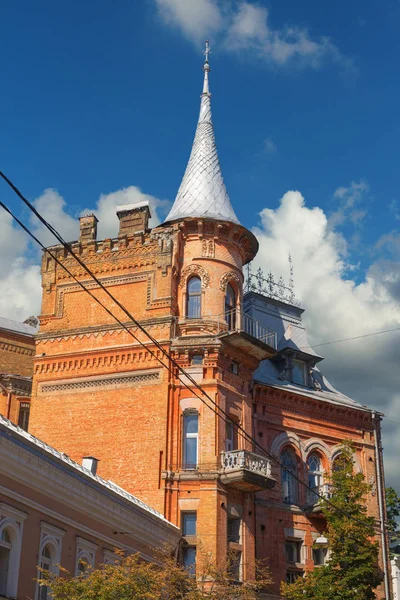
(217,410)
(357,337)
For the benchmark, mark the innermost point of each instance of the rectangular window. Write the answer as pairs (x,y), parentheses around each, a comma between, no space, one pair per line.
(197,359)
(293,551)
(298,372)
(291,576)
(234,530)
(189,521)
(189,559)
(319,555)
(23,417)
(235,566)
(234,367)
(231,437)
(190,440)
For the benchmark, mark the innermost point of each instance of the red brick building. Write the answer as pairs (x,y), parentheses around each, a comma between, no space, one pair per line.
(17,349)
(98,392)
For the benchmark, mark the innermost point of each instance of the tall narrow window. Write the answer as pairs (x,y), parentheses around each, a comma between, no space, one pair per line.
(189,525)
(190,440)
(314,469)
(193,302)
(288,473)
(46,563)
(231,441)
(5,551)
(230,307)
(23,417)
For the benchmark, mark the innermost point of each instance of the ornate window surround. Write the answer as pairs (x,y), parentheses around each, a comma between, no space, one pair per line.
(13,519)
(52,536)
(85,551)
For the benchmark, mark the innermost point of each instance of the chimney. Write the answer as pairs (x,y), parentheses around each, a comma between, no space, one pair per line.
(88,228)
(133,218)
(90,463)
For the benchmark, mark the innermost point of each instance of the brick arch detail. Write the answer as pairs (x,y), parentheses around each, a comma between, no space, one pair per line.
(195,270)
(336,450)
(287,438)
(315,444)
(227,278)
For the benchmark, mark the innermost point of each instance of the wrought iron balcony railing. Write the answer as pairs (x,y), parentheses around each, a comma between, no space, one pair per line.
(246,470)
(231,321)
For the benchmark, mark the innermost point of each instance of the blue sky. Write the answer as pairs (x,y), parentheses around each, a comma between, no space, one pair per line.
(94,100)
(99,102)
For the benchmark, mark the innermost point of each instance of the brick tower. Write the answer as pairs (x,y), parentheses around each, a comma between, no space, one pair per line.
(97,392)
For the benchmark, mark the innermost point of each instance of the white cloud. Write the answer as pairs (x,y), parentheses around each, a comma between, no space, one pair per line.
(269,146)
(244,26)
(337,307)
(352,201)
(197,19)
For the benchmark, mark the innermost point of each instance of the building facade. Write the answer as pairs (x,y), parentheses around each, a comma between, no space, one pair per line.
(17,349)
(189,452)
(56,512)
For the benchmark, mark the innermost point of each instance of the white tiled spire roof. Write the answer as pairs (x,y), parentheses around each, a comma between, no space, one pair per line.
(202,192)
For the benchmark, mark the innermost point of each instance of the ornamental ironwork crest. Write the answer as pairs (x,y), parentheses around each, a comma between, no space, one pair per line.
(266,284)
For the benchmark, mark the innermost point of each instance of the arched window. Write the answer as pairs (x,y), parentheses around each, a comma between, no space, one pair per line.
(193,300)
(190,440)
(5,552)
(230,307)
(288,473)
(47,564)
(314,469)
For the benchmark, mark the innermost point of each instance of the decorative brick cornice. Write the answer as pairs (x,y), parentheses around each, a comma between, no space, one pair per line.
(94,360)
(85,384)
(328,411)
(16,349)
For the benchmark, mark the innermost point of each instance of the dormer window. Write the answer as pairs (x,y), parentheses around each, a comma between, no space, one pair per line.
(299,372)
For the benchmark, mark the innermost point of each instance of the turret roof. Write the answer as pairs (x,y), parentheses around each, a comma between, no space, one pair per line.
(202,192)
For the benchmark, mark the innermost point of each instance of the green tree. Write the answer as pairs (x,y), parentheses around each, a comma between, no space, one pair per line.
(392,510)
(352,571)
(133,579)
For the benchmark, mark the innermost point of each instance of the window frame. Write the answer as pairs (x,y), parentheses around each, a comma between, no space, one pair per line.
(298,362)
(230,307)
(292,496)
(23,415)
(188,436)
(184,515)
(297,546)
(12,519)
(85,552)
(190,295)
(49,536)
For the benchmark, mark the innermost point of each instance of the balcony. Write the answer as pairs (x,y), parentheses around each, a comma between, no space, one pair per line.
(236,328)
(246,471)
(313,500)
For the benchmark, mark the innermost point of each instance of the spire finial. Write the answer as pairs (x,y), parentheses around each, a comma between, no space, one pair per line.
(207,51)
(206,69)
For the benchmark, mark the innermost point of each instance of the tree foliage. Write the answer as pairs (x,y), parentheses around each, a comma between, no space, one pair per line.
(130,578)
(351,572)
(392,510)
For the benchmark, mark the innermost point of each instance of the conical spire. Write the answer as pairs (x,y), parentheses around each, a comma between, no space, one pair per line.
(202,192)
